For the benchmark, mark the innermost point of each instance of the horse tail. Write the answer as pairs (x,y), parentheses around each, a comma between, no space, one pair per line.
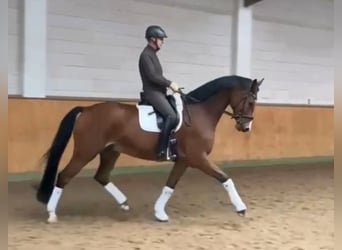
(54,154)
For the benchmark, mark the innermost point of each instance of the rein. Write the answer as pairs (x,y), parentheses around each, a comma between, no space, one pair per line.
(232,115)
(184,100)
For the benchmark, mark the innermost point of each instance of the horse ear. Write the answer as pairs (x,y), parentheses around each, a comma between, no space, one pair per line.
(260,82)
(255,85)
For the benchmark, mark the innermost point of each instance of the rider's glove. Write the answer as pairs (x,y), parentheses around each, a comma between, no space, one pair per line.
(174,86)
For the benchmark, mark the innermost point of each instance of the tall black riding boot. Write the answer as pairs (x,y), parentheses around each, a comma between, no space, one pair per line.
(164,140)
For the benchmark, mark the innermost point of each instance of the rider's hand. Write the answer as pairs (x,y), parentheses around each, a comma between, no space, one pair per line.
(174,86)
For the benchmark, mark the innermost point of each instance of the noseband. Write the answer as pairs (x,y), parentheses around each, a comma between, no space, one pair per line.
(239,115)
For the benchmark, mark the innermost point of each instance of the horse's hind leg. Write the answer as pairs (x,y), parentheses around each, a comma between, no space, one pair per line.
(159,207)
(74,166)
(108,157)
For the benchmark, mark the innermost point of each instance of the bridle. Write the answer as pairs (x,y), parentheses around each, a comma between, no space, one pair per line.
(239,115)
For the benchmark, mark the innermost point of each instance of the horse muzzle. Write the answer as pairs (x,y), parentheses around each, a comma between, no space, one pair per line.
(244,127)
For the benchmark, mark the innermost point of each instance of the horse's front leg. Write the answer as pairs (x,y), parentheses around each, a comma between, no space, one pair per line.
(167,191)
(209,168)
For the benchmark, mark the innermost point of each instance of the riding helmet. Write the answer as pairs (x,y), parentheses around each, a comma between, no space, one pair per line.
(155,31)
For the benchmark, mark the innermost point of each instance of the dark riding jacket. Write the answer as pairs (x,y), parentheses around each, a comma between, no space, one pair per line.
(151,72)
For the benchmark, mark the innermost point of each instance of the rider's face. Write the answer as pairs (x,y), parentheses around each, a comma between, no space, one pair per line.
(159,42)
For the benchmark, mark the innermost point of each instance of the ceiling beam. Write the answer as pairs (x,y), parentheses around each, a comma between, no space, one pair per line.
(250,2)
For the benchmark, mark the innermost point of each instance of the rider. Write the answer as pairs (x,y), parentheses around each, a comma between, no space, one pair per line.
(155,85)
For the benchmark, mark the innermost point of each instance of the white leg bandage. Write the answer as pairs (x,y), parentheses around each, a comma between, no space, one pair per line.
(115,192)
(234,196)
(159,206)
(52,204)
(53,201)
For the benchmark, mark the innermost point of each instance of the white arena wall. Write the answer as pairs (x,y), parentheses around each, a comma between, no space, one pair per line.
(93,46)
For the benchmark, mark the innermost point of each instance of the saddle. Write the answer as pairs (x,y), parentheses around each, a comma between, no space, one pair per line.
(152,121)
(154,117)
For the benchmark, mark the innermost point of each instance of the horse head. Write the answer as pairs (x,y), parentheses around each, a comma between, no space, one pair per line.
(243,105)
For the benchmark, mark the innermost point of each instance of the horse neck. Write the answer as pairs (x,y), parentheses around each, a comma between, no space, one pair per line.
(216,105)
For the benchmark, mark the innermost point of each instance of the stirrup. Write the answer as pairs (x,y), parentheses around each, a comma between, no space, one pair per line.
(170,155)
(166,155)
(162,156)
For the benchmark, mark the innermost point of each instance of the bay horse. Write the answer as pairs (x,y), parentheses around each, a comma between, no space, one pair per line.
(112,128)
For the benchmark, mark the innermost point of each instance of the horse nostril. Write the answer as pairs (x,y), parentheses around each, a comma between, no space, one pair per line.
(245,129)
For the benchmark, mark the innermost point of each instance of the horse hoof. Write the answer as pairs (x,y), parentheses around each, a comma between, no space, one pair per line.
(124,207)
(52,219)
(161,216)
(242,213)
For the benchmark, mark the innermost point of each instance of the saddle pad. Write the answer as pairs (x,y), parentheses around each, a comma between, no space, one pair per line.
(148,119)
